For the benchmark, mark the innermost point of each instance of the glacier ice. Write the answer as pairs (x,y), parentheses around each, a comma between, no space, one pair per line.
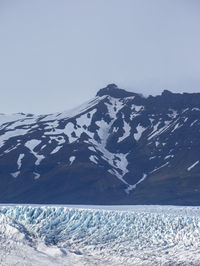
(126,235)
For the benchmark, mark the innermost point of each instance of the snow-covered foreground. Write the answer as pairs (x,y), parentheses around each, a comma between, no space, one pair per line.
(94,235)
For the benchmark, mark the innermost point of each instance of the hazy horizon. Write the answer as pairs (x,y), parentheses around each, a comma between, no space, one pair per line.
(56,55)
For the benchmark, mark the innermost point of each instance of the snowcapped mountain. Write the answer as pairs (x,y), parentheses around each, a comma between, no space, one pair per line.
(117,148)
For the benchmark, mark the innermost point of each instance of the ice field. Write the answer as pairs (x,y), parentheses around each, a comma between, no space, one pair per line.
(99,235)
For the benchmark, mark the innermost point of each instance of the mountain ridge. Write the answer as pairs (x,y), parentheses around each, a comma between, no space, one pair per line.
(118,148)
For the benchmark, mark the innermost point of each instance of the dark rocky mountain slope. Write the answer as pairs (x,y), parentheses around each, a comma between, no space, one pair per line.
(118,148)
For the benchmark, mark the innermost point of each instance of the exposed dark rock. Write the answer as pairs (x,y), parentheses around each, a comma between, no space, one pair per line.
(113,91)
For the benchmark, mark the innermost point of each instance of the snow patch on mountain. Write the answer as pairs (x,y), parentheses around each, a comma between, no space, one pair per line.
(120,165)
(127,131)
(85,120)
(56,149)
(93,159)
(31,145)
(72,159)
(131,187)
(36,175)
(19,160)
(193,122)
(140,129)
(75,111)
(192,166)
(15,174)
(11,134)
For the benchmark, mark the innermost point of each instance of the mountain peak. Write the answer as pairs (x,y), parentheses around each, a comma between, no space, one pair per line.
(166,93)
(112,86)
(113,91)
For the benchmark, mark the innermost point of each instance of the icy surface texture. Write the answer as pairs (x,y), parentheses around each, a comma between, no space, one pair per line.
(128,235)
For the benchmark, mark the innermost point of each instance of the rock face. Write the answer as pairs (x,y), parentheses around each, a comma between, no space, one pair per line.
(118,148)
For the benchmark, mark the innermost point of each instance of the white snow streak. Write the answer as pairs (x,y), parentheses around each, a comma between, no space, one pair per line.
(131,187)
(192,166)
(93,159)
(56,149)
(19,160)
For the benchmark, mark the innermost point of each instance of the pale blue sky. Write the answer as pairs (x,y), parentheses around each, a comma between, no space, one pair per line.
(56,54)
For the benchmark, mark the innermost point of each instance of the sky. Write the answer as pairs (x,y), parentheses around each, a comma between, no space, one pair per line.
(56,54)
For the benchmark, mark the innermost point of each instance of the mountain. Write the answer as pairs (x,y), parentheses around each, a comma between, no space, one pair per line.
(118,148)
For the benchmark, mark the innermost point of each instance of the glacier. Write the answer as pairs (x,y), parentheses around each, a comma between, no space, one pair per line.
(99,235)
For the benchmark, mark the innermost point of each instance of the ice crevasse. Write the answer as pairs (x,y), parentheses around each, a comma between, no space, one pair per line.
(137,235)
